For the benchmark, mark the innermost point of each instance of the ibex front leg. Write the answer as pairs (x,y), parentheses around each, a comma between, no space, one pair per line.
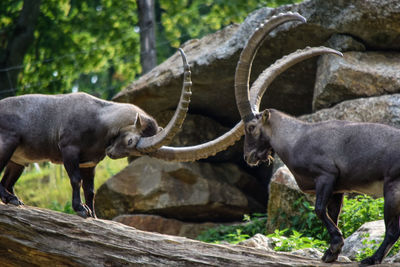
(324,190)
(335,206)
(70,156)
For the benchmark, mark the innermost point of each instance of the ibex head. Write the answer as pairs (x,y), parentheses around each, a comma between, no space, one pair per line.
(257,147)
(124,144)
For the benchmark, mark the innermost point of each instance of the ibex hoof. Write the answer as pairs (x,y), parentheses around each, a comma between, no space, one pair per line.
(84,211)
(16,202)
(11,199)
(329,256)
(368,261)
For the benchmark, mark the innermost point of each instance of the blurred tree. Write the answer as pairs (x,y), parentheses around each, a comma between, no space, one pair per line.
(148,57)
(79,45)
(15,39)
(187,19)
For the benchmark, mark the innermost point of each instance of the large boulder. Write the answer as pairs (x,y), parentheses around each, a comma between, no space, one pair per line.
(184,191)
(357,74)
(380,109)
(214,57)
(369,235)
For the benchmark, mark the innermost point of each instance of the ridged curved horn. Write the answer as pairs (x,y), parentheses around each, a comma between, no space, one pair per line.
(259,87)
(192,153)
(152,143)
(243,68)
(202,151)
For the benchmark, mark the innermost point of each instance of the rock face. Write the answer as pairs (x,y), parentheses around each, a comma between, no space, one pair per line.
(357,74)
(369,235)
(185,191)
(213,58)
(382,109)
(283,193)
(259,241)
(158,224)
(37,237)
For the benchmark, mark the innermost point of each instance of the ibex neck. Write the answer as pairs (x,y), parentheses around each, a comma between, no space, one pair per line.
(285,131)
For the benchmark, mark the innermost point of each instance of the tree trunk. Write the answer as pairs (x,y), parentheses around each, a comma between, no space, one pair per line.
(148,57)
(38,237)
(17,45)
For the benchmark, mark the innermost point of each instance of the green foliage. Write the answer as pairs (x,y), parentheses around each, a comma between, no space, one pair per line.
(306,221)
(306,230)
(74,39)
(359,210)
(370,246)
(355,212)
(236,233)
(50,187)
(67,208)
(289,240)
(183,19)
(93,45)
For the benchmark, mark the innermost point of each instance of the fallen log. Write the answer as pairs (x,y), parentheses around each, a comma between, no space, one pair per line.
(38,237)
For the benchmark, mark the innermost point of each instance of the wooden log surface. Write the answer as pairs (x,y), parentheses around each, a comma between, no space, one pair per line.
(38,237)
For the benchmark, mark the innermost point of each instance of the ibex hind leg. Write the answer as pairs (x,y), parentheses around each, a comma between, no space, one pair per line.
(11,174)
(8,144)
(326,202)
(334,208)
(392,217)
(88,187)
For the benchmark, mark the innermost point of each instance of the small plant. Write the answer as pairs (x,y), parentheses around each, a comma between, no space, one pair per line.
(289,240)
(66,208)
(359,210)
(305,230)
(355,212)
(236,237)
(236,233)
(370,246)
(307,222)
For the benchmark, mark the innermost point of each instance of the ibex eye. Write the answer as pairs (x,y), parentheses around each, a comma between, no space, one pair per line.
(250,128)
(130,142)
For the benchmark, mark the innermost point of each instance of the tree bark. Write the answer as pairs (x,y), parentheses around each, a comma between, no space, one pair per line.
(38,237)
(148,57)
(17,45)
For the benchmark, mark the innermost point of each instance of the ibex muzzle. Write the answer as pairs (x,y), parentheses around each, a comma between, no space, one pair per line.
(257,145)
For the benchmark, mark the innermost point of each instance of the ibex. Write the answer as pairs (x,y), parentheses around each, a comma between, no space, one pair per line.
(327,158)
(77,130)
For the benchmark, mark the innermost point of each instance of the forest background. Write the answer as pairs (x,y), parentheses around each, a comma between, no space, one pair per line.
(61,46)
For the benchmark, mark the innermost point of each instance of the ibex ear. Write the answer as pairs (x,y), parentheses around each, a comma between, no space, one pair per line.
(265,115)
(138,121)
